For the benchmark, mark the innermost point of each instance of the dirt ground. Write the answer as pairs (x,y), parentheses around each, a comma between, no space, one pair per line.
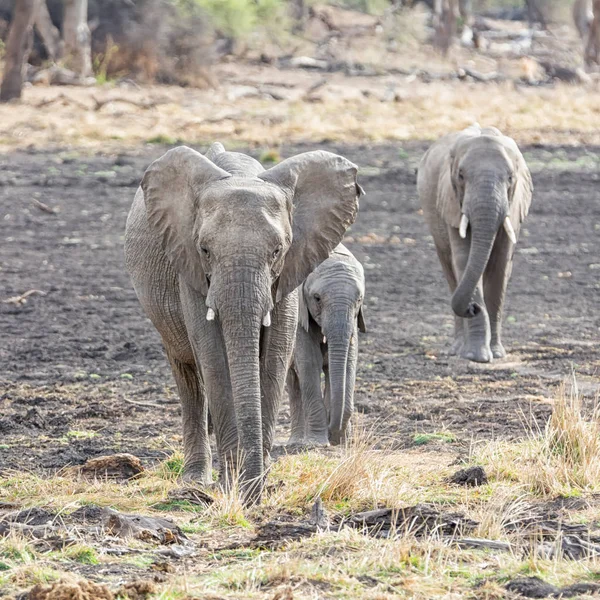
(82,371)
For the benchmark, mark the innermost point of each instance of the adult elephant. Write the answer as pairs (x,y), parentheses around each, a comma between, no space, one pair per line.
(215,246)
(475,190)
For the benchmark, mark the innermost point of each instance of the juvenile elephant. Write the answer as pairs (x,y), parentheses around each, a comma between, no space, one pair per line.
(329,313)
(475,190)
(216,246)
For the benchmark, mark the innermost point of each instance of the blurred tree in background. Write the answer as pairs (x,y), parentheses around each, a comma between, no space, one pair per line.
(176,41)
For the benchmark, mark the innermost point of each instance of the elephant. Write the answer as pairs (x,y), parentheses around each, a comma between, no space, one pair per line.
(330,310)
(216,246)
(475,190)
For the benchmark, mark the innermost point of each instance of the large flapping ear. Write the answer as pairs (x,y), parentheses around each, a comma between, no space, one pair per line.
(171,187)
(448,202)
(303,316)
(523,186)
(324,192)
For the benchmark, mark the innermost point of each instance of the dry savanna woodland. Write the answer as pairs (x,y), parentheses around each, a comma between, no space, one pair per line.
(460,479)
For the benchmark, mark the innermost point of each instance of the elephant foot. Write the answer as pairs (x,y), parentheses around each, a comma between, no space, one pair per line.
(456,346)
(295,440)
(199,475)
(317,440)
(498,350)
(481,354)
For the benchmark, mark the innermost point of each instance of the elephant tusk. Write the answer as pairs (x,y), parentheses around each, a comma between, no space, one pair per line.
(510,232)
(464,223)
(324,339)
(210,315)
(267,320)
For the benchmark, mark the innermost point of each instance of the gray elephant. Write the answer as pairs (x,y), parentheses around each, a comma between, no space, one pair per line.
(329,314)
(216,247)
(475,190)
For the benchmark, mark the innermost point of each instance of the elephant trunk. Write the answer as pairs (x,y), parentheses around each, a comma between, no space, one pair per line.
(487,210)
(242,301)
(338,330)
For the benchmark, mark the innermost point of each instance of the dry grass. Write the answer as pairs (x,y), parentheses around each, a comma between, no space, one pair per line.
(341,112)
(561,458)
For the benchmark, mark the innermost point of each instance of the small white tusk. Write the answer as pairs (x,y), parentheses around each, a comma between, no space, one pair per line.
(464,223)
(210,315)
(267,319)
(510,232)
(324,339)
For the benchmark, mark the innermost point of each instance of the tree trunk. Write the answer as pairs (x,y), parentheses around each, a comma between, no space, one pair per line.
(18,46)
(535,14)
(77,37)
(592,50)
(299,13)
(48,32)
(444,17)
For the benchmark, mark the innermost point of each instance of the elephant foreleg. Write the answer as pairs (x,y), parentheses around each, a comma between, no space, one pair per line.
(208,347)
(309,363)
(444,252)
(495,282)
(298,422)
(196,445)
(477,329)
(275,360)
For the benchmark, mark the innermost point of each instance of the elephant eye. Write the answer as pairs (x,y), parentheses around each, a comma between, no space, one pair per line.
(317,297)
(510,179)
(277,251)
(205,251)
(461,176)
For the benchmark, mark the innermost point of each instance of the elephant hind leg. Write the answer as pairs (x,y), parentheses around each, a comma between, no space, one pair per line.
(194,409)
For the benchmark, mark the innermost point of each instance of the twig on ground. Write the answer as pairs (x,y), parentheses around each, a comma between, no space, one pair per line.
(22,299)
(144,104)
(45,207)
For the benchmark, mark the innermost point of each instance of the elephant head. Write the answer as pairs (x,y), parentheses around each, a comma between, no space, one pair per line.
(485,191)
(332,296)
(245,238)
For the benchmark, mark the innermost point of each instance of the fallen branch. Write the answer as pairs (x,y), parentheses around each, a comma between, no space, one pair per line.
(464,72)
(22,299)
(64,98)
(482,543)
(140,104)
(144,404)
(45,207)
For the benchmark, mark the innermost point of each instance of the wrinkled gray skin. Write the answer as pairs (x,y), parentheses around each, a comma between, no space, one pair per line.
(218,236)
(481,174)
(329,314)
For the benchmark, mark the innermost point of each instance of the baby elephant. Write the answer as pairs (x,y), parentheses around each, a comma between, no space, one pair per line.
(329,313)
(475,190)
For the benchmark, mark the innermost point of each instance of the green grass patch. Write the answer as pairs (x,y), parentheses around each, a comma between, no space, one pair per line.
(421,439)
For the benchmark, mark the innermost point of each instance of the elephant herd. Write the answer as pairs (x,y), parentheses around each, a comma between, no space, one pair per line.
(242,272)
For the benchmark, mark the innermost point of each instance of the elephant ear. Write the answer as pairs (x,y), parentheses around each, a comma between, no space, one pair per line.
(324,193)
(303,316)
(362,327)
(523,191)
(171,186)
(447,199)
